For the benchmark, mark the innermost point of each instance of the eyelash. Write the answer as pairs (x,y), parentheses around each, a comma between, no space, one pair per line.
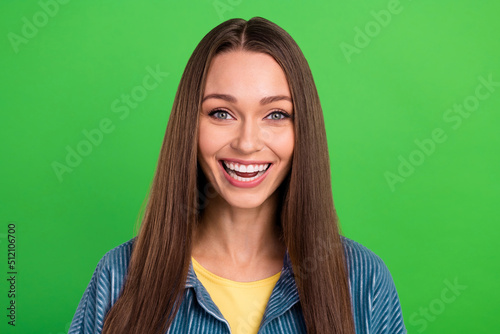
(282,112)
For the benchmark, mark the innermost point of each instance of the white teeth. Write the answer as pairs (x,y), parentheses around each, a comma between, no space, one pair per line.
(232,167)
(245,168)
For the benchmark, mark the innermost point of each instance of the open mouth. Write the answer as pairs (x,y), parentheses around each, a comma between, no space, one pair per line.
(244,173)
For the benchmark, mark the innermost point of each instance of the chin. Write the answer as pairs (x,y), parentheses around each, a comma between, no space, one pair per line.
(245,203)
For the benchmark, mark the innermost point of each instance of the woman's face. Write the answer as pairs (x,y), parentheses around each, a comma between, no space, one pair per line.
(246,133)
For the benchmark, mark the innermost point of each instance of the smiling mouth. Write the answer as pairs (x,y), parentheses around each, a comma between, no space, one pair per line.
(245,173)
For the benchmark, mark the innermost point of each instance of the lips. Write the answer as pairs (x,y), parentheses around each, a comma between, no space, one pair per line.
(234,174)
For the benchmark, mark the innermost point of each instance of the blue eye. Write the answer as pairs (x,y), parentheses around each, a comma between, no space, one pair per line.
(280,115)
(224,114)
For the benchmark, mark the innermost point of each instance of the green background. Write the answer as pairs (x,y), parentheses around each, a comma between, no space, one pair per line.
(434,226)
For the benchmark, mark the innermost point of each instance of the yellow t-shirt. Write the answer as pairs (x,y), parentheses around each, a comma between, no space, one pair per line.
(241,303)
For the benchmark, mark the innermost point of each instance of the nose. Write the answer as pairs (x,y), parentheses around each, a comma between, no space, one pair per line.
(250,137)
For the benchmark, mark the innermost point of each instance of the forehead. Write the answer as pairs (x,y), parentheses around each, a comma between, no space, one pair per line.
(245,73)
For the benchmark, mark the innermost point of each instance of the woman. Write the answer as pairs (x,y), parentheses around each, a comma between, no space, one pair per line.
(240,234)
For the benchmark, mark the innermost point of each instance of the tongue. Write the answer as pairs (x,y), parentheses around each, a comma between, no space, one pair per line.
(240,174)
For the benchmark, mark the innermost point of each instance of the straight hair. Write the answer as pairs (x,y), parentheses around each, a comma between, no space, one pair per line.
(155,282)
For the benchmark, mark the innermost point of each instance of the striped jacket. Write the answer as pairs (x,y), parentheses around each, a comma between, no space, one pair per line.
(375,302)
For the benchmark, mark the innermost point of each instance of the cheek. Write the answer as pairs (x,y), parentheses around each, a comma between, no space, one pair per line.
(209,141)
(283,143)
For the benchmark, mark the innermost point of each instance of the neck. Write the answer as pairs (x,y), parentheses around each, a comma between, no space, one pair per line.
(238,236)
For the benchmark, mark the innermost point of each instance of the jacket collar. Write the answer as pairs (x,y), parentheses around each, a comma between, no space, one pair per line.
(283,297)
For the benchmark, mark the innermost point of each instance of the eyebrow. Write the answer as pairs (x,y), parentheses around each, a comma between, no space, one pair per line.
(232,99)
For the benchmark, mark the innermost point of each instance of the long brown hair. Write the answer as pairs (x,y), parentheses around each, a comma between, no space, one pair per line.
(155,282)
